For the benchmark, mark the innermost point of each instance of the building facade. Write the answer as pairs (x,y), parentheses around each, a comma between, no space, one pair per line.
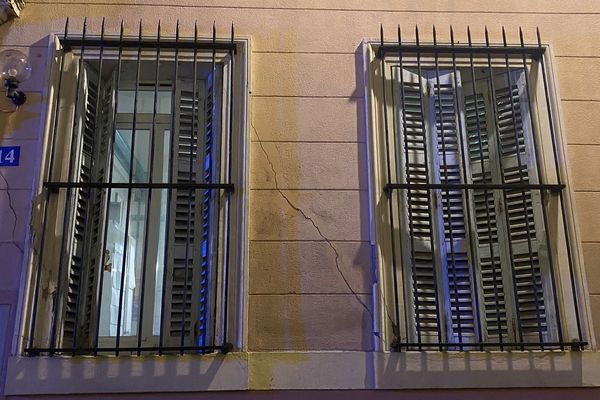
(288,220)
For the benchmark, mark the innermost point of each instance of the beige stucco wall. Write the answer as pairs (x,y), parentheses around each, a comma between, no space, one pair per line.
(307,109)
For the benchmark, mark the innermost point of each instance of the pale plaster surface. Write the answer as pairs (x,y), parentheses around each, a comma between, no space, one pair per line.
(308,110)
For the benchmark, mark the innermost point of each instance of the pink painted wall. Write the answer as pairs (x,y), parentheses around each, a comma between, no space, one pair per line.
(308,112)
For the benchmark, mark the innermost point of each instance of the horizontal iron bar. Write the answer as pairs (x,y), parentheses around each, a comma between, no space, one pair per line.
(83,351)
(228,187)
(413,48)
(149,44)
(494,344)
(482,186)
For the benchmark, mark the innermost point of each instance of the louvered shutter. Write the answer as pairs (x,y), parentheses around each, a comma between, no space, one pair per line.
(210,210)
(522,208)
(184,277)
(95,114)
(96,224)
(505,234)
(485,223)
(509,228)
(416,230)
(452,232)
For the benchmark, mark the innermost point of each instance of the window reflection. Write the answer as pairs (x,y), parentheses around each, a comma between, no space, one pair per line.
(127,234)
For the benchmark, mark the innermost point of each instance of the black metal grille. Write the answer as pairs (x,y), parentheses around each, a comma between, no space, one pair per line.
(473,258)
(137,197)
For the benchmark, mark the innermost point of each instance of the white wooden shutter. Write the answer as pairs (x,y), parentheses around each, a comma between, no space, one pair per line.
(210,201)
(485,223)
(525,222)
(182,308)
(416,230)
(452,233)
(433,223)
(99,204)
(495,236)
(498,232)
(95,115)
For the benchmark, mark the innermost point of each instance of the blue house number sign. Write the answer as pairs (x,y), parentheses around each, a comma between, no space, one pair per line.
(9,156)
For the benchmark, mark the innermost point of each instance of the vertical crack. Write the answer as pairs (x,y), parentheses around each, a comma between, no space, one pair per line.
(12,209)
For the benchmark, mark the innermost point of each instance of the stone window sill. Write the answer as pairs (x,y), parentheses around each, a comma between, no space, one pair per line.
(301,370)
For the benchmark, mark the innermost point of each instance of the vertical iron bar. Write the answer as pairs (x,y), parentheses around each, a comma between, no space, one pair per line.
(523,193)
(390,196)
(129,192)
(52,152)
(448,205)
(559,180)
(499,144)
(485,194)
(84,252)
(410,213)
(408,197)
(149,197)
(68,196)
(170,192)
(389,177)
(427,166)
(213,169)
(190,192)
(226,256)
(110,178)
(206,256)
(467,193)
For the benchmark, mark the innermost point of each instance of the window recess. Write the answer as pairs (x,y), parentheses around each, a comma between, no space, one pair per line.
(475,228)
(138,228)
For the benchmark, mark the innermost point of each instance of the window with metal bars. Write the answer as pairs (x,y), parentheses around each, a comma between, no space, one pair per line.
(140,228)
(475,222)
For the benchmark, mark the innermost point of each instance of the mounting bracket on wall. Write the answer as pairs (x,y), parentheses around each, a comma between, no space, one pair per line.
(10,9)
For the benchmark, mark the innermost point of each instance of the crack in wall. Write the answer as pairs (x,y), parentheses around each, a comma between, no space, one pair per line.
(328,241)
(12,209)
(312,222)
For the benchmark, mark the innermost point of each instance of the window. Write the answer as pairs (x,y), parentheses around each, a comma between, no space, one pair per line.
(142,229)
(471,209)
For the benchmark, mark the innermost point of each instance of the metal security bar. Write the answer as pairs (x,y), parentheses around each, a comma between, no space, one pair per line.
(476,203)
(134,247)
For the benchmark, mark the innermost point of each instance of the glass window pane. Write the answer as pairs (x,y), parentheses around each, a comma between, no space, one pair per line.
(114,263)
(129,269)
(145,102)
(125,255)
(122,155)
(141,155)
(166,155)
(160,260)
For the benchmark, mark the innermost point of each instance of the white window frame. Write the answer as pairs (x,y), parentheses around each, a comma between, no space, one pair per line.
(238,282)
(383,291)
